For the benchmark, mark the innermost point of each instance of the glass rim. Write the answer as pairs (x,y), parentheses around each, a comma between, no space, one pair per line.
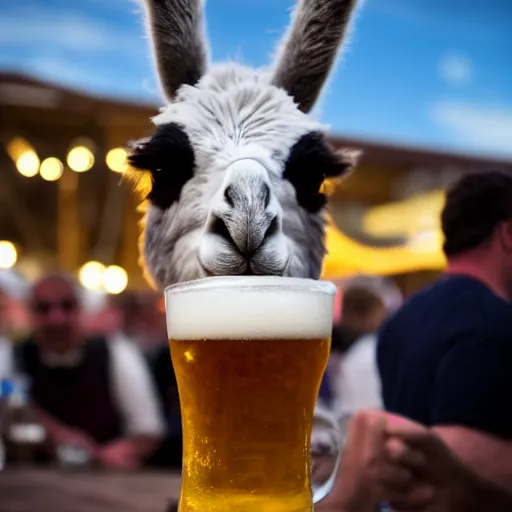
(295,284)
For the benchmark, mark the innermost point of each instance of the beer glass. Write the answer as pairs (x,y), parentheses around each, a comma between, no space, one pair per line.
(249,353)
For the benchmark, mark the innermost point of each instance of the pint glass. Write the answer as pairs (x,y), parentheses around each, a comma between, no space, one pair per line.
(249,354)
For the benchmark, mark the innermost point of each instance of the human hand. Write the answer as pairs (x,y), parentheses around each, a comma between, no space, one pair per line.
(121,454)
(452,480)
(375,468)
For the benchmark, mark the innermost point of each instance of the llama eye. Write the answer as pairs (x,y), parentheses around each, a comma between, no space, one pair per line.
(309,163)
(169,158)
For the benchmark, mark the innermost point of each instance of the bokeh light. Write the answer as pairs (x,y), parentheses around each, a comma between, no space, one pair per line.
(91,275)
(115,279)
(28,164)
(116,160)
(80,159)
(24,156)
(51,169)
(8,254)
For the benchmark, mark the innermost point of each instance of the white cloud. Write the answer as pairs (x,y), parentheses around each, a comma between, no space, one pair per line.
(487,129)
(47,28)
(455,69)
(63,71)
(101,81)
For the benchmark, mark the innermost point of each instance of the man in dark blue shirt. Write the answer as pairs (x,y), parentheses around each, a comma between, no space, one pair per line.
(445,358)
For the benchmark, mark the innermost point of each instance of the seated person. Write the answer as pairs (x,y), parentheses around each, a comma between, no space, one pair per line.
(92,392)
(5,343)
(367,300)
(445,357)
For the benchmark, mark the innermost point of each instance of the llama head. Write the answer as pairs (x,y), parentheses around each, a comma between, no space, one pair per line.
(235,164)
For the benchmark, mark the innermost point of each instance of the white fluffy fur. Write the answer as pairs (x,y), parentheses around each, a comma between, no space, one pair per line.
(242,126)
(232,114)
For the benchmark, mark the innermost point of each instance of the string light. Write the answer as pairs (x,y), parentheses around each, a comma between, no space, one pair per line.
(8,254)
(28,164)
(90,275)
(115,279)
(116,160)
(80,159)
(51,169)
(24,156)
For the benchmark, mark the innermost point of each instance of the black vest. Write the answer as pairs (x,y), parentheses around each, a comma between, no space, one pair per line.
(80,396)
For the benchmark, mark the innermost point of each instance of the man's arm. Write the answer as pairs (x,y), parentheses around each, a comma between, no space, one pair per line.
(471,407)
(136,398)
(488,455)
(457,487)
(58,432)
(489,497)
(389,458)
(369,475)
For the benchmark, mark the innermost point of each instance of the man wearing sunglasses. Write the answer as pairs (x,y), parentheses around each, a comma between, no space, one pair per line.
(94,393)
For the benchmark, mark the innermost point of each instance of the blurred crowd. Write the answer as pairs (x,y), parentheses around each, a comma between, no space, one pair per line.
(103,380)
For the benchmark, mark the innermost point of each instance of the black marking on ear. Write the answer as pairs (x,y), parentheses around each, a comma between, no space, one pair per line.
(310,162)
(169,157)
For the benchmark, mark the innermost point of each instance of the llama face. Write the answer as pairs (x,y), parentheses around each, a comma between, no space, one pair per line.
(236,167)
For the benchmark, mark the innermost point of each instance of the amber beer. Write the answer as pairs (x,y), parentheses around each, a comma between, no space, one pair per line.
(249,354)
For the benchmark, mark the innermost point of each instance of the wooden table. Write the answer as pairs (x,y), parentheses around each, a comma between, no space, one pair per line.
(49,490)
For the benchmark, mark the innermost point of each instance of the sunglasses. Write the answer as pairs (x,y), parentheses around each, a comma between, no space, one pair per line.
(44,308)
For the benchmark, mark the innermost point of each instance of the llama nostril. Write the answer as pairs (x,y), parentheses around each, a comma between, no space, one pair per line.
(228,196)
(218,227)
(272,229)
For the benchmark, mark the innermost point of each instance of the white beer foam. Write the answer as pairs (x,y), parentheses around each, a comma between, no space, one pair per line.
(250,307)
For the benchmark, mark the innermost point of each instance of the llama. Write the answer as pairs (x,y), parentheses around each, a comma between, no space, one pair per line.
(236,164)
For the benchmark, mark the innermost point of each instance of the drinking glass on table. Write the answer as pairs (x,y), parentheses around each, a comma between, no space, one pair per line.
(249,354)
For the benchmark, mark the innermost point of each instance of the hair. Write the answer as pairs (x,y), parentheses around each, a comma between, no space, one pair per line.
(474,207)
(361,301)
(375,290)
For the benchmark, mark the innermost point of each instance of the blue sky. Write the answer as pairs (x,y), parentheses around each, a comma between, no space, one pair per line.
(434,73)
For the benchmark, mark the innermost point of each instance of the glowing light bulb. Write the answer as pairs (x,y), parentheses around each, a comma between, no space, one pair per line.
(24,156)
(8,254)
(28,163)
(115,279)
(51,169)
(116,160)
(80,159)
(91,275)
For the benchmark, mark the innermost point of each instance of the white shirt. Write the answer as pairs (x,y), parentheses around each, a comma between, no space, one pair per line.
(131,384)
(5,358)
(357,383)
(134,390)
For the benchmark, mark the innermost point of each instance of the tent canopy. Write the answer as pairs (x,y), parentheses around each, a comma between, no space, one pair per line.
(346,257)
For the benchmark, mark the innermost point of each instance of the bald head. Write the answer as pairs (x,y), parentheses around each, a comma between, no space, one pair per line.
(55,310)
(59,278)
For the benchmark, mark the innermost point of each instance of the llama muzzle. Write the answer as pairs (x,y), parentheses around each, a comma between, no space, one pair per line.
(244,218)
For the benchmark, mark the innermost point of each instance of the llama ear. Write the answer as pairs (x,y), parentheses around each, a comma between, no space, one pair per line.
(177,31)
(310,47)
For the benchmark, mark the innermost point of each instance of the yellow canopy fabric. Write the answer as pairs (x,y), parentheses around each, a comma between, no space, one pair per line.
(347,257)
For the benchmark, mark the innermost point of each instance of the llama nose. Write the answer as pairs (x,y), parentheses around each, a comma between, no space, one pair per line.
(248,213)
